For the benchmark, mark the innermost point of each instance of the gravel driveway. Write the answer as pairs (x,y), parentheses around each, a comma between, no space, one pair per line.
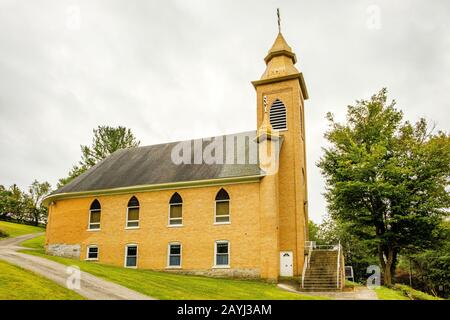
(90,287)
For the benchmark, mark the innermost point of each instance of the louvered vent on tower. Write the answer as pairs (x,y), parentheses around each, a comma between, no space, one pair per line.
(278,115)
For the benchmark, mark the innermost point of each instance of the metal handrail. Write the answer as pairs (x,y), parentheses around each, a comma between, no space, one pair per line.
(306,264)
(338,264)
(311,245)
(326,247)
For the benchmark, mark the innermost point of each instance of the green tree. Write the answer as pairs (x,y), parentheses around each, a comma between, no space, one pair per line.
(313,230)
(357,252)
(429,269)
(106,140)
(386,179)
(36,192)
(12,203)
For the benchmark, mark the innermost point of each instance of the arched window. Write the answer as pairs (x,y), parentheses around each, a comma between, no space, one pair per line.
(176,210)
(94,215)
(222,213)
(133,213)
(278,115)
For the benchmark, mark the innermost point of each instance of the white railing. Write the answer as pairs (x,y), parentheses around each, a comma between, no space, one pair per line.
(338,265)
(312,246)
(308,245)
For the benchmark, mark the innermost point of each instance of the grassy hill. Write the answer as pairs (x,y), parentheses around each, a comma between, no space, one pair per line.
(164,285)
(20,284)
(10,229)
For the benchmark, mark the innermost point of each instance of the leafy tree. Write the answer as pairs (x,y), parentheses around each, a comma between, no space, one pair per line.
(386,179)
(37,191)
(12,203)
(429,269)
(313,230)
(106,140)
(73,173)
(357,253)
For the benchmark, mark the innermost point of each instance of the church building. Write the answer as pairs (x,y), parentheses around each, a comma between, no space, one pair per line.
(234,205)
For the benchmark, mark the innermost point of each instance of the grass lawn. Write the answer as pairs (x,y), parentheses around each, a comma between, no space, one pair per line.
(35,243)
(19,284)
(15,229)
(385,293)
(402,292)
(163,285)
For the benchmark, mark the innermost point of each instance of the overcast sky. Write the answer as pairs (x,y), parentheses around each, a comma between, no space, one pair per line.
(175,70)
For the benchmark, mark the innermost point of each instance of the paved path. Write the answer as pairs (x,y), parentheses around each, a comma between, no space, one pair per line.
(91,287)
(359,293)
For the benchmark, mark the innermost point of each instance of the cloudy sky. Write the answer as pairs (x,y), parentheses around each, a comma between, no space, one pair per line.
(174,70)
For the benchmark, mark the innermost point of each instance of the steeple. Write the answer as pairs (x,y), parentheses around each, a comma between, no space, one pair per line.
(280,65)
(280,47)
(280,106)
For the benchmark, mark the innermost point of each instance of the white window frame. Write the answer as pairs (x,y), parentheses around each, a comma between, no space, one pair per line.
(168,255)
(222,266)
(229,212)
(170,219)
(126,255)
(87,252)
(138,220)
(89,220)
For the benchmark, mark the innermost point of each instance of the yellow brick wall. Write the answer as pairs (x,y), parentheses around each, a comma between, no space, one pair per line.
(68,223)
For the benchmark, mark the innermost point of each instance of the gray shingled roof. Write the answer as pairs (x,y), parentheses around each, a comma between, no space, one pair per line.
(153,165)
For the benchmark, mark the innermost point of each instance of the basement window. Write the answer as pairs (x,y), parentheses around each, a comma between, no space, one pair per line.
(133,213)
(222,253)
(176,210)
(92,253)
(131,255)
(174,255)
(94,215)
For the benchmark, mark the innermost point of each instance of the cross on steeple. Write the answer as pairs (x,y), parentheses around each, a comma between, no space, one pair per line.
(279,20)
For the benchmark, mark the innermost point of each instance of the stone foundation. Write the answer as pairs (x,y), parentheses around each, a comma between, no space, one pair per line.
(64,250)
(220,273)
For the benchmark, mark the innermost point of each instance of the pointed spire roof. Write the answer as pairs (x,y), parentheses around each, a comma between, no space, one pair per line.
(280,47)
(280,64)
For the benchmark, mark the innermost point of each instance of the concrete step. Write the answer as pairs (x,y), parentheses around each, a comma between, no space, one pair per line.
(321,276)
(319,283)
(319,289)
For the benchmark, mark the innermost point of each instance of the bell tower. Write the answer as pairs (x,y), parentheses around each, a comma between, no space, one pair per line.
(281,93)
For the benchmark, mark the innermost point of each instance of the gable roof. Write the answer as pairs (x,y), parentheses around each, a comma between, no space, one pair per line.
(153,165)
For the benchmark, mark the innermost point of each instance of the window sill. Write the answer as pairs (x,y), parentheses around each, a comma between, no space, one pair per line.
(132,228)
(91,259)
(220,223)
(132,267)
(174,267)
(93,230)
(221,267)
(174,225)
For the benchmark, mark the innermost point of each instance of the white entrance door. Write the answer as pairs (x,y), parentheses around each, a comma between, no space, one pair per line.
(286,264)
